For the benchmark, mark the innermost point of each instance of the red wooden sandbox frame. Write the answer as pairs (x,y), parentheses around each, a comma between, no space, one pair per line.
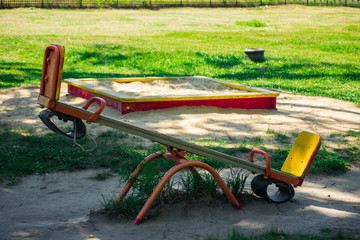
(248,97)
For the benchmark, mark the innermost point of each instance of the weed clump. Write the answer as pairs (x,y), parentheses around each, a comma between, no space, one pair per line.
(252,23)
(188,188)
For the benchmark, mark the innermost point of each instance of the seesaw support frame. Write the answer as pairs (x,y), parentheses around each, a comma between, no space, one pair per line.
(177,148)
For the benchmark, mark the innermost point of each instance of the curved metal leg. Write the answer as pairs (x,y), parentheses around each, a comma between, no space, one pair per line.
(136,172)
(174,170)
(263,188)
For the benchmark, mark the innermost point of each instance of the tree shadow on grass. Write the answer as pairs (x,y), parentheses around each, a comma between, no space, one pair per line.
(97,57)
(98,60)
(23,72)
(221,61)
(294,71)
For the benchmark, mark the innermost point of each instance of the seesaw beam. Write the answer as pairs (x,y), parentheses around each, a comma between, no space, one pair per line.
(175,142)
(49,98)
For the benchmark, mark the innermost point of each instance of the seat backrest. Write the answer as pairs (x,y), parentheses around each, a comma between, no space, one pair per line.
(51,75)
(302,154)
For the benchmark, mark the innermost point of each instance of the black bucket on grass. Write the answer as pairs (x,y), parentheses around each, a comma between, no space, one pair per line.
(255,54)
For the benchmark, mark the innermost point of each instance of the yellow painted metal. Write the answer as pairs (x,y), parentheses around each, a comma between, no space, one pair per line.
(61,65)
(301,154)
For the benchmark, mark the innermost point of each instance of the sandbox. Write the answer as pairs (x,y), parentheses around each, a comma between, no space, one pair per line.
(142,94)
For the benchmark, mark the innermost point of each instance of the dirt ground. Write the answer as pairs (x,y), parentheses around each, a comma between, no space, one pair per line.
(56,206)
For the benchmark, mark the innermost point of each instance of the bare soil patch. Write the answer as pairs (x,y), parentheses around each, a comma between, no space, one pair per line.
(56,206)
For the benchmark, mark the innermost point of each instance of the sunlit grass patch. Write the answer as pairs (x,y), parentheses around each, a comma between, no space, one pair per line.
(311,51)
(252,23)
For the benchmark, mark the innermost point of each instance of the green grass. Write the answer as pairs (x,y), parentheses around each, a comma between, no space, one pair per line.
(331,160)
(22,153)
(251,23)
(280,137)
(188,189)
(156,4)
(326,161)
(309,50)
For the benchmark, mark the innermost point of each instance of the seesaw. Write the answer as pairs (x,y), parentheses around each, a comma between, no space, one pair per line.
(293,171)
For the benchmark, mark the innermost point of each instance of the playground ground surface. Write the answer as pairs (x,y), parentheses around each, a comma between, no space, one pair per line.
(57,205)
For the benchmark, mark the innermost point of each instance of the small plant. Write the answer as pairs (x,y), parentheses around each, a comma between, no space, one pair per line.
(280,137)
(198,186)
(329,163)
(236,181)
(141,190)
(230,138)
(102,176)
(251,23)
(191,186)
(354,134)
(270,131)
(326,162)
(126,208)
(256,140)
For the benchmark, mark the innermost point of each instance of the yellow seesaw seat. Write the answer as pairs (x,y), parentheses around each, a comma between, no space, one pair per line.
(297,164)
(302,154)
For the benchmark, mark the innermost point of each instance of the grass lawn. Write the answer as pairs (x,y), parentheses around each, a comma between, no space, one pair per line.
(309,50)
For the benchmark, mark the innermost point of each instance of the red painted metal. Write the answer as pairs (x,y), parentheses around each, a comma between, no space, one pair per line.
(49,77)
(135,174)
(96,114)
(174,170)
(267,160)
(51,83)
(177,156)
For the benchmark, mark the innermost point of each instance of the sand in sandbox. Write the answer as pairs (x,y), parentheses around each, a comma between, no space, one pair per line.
(178,87)
(55,206)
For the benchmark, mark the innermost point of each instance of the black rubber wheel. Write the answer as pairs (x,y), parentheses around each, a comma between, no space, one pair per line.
(272,190)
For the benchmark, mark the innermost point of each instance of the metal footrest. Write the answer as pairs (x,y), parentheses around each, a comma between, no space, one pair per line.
(272,190)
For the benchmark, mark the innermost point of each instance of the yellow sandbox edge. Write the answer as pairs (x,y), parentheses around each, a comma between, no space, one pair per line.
(254,92)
